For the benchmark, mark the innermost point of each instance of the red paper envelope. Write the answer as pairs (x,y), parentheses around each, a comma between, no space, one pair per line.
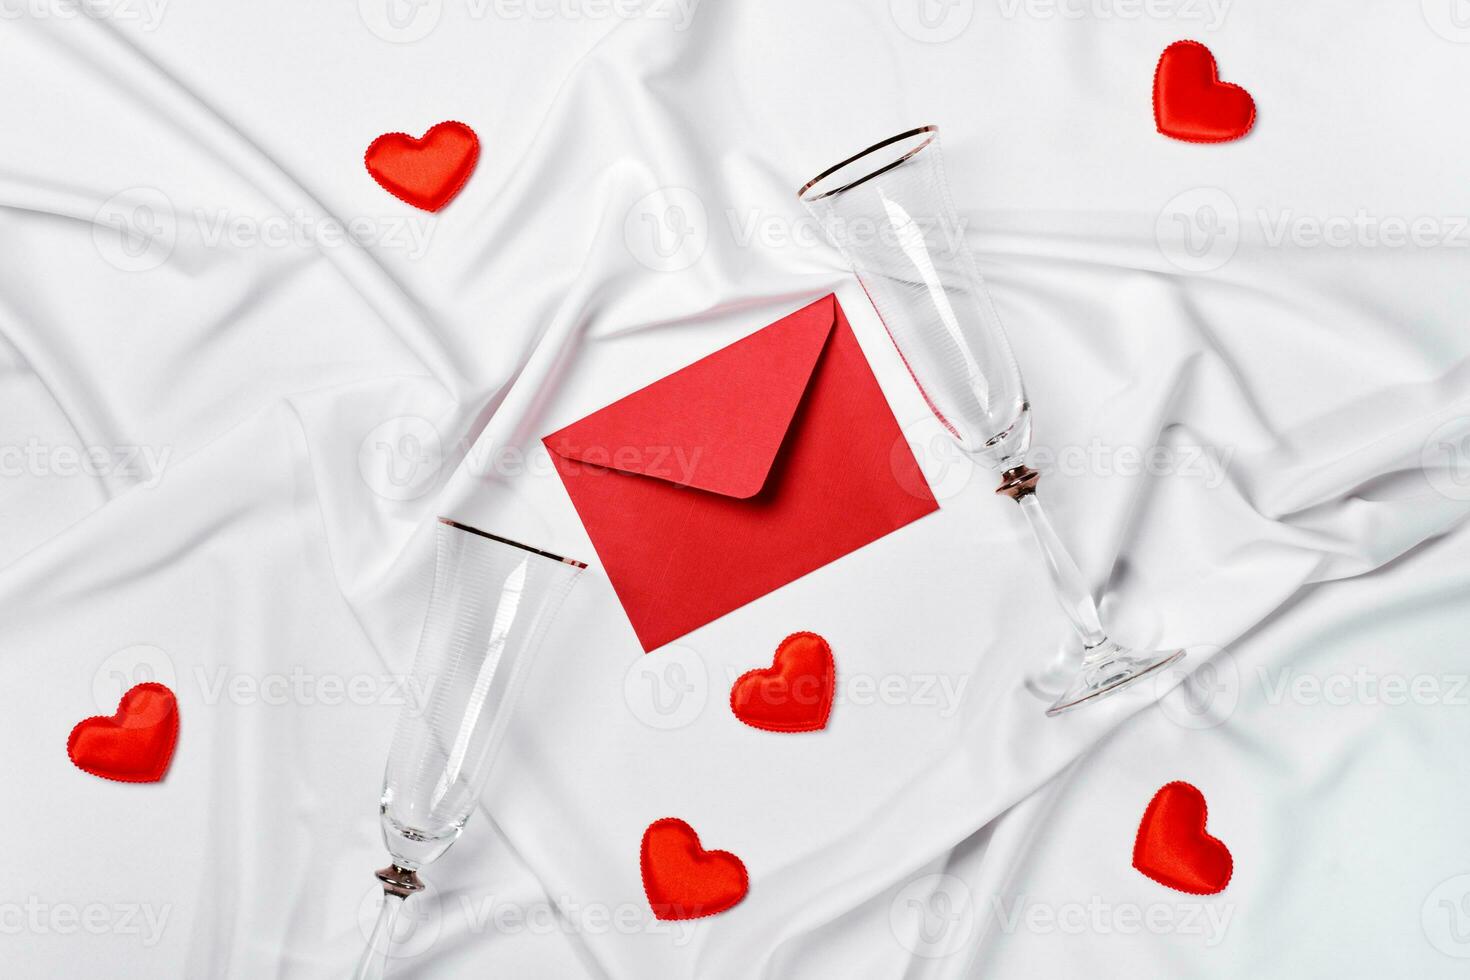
(739,473)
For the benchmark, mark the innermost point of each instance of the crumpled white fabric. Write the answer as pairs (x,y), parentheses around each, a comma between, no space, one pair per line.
(274,412)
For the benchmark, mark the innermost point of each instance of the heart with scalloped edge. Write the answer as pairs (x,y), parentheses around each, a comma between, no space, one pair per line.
(426,172)
(1190,101)
(684,881)
(1173,848)
(795,693)
(136,744)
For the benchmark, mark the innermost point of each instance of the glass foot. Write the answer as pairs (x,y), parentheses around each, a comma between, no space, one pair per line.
(1107,669)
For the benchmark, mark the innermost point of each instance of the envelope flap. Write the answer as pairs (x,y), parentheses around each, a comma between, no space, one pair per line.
(717,424)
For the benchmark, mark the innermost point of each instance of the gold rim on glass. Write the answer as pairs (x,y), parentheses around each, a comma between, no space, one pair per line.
(932,130)
(514,544)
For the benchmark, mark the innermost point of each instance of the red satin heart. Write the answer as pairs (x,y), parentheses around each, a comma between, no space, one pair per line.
(428,172)
(1190,101)
(1173,848)
(133,746)
(684,881)
(792,695)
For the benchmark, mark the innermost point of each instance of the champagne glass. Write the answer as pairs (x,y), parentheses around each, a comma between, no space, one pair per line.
(491,602)
(888,208)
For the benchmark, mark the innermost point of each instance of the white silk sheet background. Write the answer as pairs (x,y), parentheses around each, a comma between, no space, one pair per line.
(276,413)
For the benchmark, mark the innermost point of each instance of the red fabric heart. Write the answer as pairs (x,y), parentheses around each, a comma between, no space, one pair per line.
(684,881)
(1173,848)
(428,172)
(792,695)
(133,746)
(1190,101)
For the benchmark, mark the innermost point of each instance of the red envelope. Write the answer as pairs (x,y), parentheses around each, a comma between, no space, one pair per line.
(740,473)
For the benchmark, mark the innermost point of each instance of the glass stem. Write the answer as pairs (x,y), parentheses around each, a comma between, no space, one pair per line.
(1071,590)
(374,960)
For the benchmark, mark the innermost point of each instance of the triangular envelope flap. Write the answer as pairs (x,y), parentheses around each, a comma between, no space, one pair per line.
(717,424)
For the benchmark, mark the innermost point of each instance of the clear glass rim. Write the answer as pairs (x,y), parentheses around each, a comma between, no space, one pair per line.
(514,544)
(810,191)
